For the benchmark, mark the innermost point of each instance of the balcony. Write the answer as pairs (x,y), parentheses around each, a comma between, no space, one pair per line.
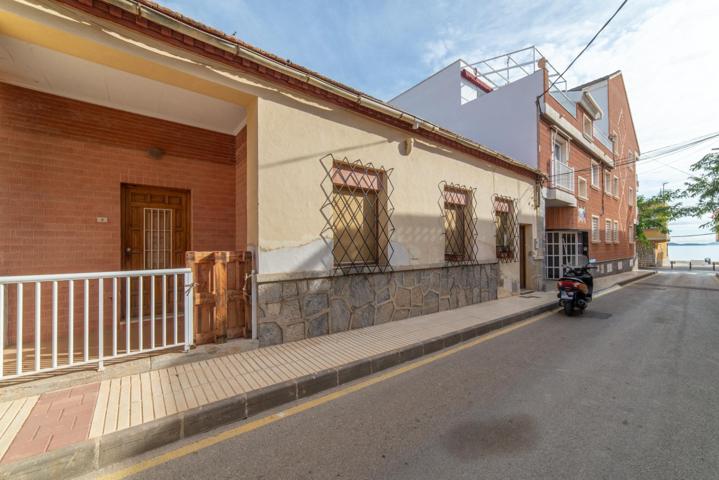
(561,186)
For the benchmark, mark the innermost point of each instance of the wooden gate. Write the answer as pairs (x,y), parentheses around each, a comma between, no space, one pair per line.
(222,295)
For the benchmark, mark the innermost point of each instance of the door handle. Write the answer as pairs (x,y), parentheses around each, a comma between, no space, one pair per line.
(128,251)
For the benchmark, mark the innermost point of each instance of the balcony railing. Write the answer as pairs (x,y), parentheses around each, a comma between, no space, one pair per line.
(562,176)
(49,322)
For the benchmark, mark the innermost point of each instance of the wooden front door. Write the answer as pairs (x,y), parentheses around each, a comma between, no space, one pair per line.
(155,227)
(155,235)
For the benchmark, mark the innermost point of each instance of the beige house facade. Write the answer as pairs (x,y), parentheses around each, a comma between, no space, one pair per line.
(355,212)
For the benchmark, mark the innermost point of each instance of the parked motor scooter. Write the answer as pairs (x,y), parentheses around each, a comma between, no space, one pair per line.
(576,288)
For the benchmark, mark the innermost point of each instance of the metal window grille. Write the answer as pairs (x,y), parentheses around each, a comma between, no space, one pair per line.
(458,206)
(595,174)
(608,231)
(358,215)
(507,225)
(595,229)
(157,231)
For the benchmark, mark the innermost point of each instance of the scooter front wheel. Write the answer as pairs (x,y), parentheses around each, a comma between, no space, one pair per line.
(568,309)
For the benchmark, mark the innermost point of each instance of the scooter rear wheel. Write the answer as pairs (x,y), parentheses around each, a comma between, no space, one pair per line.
(568,309)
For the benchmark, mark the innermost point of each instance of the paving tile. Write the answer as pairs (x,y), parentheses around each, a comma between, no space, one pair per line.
(60,419)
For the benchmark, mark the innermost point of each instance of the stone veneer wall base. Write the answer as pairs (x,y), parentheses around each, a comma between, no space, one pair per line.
(291,310)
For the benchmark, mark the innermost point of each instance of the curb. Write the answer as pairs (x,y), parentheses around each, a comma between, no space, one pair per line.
(648,273)
(90,455)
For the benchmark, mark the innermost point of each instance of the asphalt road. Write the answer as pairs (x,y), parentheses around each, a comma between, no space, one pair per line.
(628,391)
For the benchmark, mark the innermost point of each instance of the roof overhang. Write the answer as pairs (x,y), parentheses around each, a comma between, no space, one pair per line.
(556,119)
(35,67)
(226,56)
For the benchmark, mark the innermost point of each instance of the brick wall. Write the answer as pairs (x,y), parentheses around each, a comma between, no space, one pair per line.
(598,203)
(62,163)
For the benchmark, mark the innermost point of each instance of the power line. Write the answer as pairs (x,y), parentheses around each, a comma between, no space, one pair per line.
(681,145)
(655,154)
(586,47)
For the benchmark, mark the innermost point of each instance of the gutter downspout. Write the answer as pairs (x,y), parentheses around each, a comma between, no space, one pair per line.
(253,300)
(253,291)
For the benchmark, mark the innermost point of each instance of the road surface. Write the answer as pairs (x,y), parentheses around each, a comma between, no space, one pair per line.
(629,390)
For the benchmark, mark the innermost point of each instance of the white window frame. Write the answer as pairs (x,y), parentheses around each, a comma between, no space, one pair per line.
(607,183)
(630,232)
(615,186)
(564,144)
(587,120)
(630,197)
(608,235)
(580,181)
(596,230)
(563,147)
(616,231)
(596,175)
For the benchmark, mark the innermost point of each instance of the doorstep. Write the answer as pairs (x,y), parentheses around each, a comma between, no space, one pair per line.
(74,431)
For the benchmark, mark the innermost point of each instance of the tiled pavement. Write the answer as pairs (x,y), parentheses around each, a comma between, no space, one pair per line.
(31,426)
(56,419)
(13,415)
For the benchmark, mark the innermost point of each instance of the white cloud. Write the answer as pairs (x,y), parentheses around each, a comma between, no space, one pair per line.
(668,54)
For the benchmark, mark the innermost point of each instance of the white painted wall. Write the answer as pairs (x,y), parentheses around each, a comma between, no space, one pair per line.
(504,120)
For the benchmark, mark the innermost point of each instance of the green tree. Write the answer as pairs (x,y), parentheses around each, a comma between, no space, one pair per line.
(655,213)
(703,189)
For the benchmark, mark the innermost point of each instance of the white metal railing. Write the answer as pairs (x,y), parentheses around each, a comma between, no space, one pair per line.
(563,176)
(509,67)
(93,304)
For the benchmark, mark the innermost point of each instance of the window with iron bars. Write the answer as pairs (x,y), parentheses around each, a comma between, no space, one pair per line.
(457,204)
(507,236)
(358,211)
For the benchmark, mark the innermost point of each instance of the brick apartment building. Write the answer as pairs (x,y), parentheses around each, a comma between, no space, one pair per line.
(583,138)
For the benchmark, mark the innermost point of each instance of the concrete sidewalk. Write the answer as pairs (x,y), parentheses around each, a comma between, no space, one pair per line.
(68,432)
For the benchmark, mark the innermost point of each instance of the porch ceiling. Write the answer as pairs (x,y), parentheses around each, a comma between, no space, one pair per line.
(39,68)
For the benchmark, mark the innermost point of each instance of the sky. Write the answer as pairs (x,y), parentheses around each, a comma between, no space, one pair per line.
(668,51)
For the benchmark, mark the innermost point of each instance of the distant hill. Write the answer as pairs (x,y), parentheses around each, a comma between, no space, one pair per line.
(694,244)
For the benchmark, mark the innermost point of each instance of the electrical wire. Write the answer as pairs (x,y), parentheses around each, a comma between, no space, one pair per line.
(655,154)
(586,47)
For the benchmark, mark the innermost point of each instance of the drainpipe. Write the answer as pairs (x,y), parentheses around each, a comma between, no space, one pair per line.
(253,279)
(253,292)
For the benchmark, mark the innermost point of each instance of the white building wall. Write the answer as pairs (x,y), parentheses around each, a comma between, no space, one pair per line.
(504,120)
